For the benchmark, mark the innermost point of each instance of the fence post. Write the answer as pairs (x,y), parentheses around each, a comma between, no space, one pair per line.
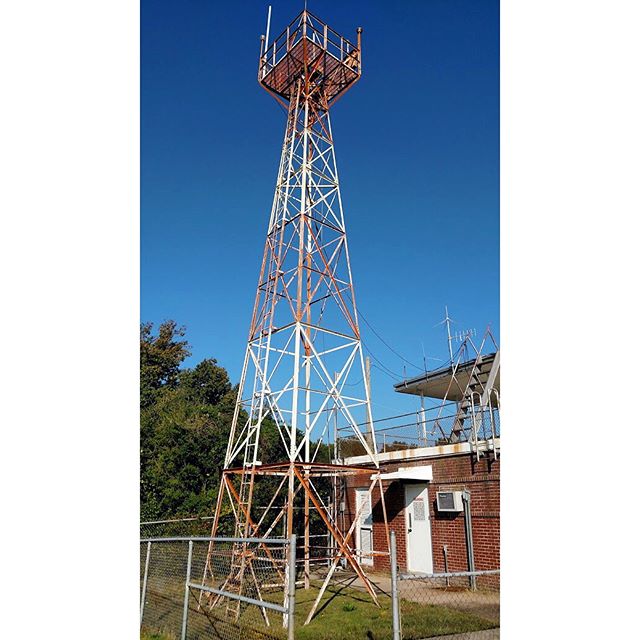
(144,582)
(394,589)
(185,608)
(291,593)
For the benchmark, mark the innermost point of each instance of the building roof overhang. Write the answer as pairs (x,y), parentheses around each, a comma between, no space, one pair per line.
(440,383)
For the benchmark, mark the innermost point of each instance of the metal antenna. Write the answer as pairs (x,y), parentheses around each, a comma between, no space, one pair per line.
(304,373)
(266,44)
(447,319)
(463,335)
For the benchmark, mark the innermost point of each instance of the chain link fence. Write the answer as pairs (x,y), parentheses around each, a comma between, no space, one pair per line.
(190,588)
(192,527)
(462,605)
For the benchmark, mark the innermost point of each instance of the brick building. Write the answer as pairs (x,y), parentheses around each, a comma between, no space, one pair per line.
(440,477)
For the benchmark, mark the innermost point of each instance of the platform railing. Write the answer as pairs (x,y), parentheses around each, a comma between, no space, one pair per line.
(307,25)
(429,428)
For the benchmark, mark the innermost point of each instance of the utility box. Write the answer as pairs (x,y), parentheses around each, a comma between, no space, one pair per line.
(449,501)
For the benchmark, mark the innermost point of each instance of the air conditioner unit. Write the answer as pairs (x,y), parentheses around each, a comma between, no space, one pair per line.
(449,501)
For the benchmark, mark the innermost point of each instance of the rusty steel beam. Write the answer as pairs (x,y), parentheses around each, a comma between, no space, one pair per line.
(338,537)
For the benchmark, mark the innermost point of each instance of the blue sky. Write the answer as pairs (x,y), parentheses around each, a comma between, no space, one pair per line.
(417,144)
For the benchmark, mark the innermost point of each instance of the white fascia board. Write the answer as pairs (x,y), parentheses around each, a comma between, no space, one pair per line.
(421,452)
(422,473)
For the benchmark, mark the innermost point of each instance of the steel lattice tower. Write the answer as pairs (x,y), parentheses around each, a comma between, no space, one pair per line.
(303,368)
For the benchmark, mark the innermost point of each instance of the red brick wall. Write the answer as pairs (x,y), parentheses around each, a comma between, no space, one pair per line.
(457,472)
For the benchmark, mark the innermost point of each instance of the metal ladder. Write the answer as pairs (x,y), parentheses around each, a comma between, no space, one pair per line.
(481,386)
(484,405)
(475,386)
(240,552)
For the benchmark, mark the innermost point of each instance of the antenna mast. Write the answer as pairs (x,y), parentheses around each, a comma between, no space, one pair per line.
(447,320)
(266,37)
(304,374)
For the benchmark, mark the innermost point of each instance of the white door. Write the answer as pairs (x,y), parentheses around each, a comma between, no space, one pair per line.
(364,528)
(419,554)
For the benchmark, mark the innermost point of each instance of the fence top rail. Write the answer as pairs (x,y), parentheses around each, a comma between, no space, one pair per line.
(282,541)
(191,519)
(234,596)
(451,574)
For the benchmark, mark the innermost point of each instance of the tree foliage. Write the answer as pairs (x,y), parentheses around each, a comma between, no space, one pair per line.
(160,358)
(185,416)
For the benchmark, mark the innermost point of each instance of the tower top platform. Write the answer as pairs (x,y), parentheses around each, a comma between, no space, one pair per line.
(309,49)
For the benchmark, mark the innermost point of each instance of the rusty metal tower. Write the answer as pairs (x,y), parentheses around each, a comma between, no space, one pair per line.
(304,368)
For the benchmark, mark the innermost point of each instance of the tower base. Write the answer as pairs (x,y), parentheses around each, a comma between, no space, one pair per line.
(297,497)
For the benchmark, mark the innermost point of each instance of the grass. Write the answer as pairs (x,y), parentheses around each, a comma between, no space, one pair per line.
(350,614)
(344,614)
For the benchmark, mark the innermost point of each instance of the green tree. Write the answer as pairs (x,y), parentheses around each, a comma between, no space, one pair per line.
(206,384)
(160,358)
(185,419)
